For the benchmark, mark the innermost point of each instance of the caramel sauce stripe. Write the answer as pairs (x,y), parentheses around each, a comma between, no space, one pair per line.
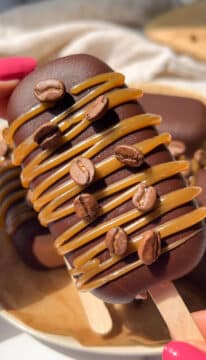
(149,178)
(61,194)
(50,203)
(95,144)
(22,215)
(84,282)
(166,203)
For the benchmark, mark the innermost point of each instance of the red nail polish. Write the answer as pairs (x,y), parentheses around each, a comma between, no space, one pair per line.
(16,67)
(176,350)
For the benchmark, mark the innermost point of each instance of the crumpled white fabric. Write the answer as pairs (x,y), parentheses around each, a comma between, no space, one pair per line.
(36,31)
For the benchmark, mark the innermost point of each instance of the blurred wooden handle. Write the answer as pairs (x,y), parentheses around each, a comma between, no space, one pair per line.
(175,313)
(97,313)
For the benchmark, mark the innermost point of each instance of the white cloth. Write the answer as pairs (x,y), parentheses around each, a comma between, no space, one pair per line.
(45,32)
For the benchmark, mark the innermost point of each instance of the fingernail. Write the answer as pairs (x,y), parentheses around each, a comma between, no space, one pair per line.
(176,350)
(16,67)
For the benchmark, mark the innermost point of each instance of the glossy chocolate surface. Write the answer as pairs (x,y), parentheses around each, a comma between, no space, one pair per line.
(185,118)
(73,70)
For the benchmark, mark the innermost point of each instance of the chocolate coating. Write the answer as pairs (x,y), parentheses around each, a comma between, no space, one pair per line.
(177,114)
(23,240)
(183,117)
(24,237)
(26,232)
(73,70)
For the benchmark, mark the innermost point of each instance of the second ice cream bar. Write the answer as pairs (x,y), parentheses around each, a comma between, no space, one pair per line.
(183,117)
(102,179)
(33,243)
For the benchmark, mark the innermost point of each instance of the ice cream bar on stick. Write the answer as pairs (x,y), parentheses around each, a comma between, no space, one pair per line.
(33,242)
(102,179)
(186,145)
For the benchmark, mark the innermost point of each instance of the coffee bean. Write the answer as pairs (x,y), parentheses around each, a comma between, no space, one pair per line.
(200,157)
(86,207)
(116,241)
(48,136)
(177,148)
(49,90)
(97,108)
(149,247)
(145,198)
(129,155)
(82,171)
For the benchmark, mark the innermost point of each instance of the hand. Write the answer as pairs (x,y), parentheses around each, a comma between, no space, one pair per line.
(176,350)
(12,69)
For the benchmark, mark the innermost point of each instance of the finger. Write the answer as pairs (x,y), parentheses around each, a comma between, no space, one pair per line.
(199,345)
(6,88)
(195,350)
(16,67)
(200,319)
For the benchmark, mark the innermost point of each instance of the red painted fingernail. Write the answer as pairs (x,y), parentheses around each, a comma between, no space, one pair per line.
(16,67)
(176,350)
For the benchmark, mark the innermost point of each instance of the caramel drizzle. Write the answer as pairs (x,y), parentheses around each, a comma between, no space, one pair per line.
(94,268)
(11,192)
(50,203)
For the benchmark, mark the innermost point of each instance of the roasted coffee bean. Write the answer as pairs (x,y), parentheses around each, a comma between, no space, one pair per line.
(116,241)
(145,198)
(49,90)
(97,108)
(200,157)
(86,207)
(129,155)
(149,247)
(48,136)
(177,148)
(82,171)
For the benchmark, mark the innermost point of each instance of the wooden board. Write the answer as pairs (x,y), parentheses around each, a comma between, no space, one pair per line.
(182,29)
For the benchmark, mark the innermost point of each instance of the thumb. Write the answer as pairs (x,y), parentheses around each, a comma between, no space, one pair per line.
(176,350)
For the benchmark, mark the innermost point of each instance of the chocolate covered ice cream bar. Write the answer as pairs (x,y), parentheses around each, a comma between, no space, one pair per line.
(184,117)
(33,243)
(103,180)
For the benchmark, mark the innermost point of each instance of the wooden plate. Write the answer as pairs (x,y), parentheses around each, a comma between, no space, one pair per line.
(182,29)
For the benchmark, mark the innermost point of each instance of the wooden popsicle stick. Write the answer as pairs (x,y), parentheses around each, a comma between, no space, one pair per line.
(96,311)
(175,313)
